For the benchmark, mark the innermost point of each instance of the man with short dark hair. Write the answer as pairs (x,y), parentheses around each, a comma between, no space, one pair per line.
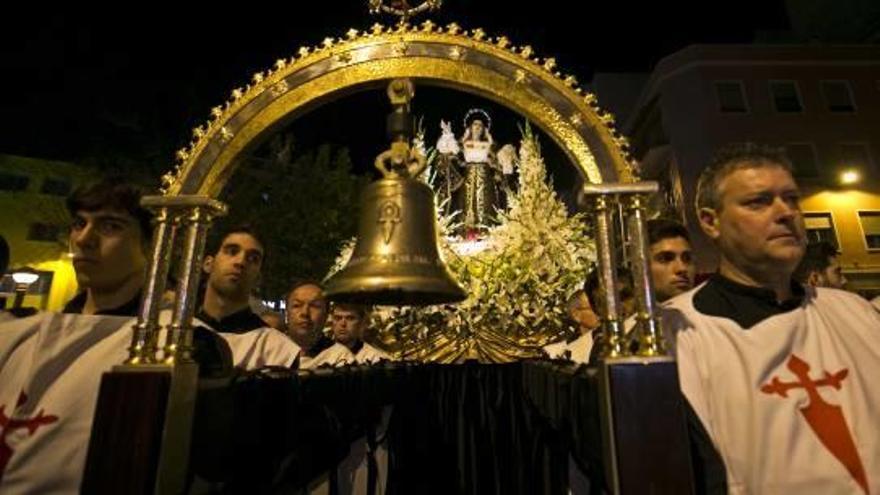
(780,377)
(671,258)
(305,317)
(349,321)
(233,271)
(109,238)
(820,267)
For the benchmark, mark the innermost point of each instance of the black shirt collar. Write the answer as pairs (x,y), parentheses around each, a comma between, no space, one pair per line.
(241,321)
(319,346)
(746,305)
(130,308)
(356,348)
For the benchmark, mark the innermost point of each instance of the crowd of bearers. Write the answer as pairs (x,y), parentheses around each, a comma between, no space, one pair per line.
(775,360)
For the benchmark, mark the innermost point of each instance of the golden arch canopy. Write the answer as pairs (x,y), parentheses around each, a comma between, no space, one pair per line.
(450,57)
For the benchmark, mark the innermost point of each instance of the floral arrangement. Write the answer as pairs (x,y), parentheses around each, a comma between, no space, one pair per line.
(518,277)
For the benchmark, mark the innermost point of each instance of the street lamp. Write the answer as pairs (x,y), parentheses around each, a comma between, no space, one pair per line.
(23,278)
(850,176)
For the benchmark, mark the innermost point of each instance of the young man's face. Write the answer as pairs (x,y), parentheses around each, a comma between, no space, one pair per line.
(832,276)
(306,311)
(672,267)
(234,271)
(108,248)
(759,227)
(348,326)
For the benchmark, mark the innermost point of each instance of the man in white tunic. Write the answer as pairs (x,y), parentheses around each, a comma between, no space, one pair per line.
(349,323)
(783,378)
(306,315)
(51,364)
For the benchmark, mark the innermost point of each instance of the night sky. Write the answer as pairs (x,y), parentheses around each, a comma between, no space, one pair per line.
(79,81)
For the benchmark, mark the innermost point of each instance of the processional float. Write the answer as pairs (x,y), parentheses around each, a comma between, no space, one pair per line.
(149,399)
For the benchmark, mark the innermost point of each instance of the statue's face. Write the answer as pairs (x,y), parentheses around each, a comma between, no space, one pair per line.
(477,127)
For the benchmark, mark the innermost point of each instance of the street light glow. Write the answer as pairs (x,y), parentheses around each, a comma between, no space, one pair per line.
(25,277)
(849,177)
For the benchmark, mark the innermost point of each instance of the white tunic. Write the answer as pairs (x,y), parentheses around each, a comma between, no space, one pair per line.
(743,386)
(50,370)
(340,355)
(261,347)
(579,348)
(335,355)
(370,355)
(556,350)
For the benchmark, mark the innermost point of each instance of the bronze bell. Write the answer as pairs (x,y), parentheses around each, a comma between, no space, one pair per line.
(396,260)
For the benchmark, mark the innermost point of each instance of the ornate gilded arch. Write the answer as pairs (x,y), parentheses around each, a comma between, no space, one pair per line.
(450,57)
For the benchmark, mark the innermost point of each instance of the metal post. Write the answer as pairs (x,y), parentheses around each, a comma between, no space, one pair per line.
(612,328)
(650,339)
(178,345)
(146,331)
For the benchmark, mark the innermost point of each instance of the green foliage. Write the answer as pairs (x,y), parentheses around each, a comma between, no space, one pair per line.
(304,206)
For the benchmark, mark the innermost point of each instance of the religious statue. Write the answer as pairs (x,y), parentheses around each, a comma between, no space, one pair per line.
(479,194)
(469,177)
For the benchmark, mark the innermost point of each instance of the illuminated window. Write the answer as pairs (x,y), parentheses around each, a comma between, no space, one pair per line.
(870,221)
(820,227)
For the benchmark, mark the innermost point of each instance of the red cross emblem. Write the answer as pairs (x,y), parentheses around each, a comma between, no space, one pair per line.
(8,425)
(826,420)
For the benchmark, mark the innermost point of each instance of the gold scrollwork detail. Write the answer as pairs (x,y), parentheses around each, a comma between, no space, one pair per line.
(400,49)
(225,134)
(280,88)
